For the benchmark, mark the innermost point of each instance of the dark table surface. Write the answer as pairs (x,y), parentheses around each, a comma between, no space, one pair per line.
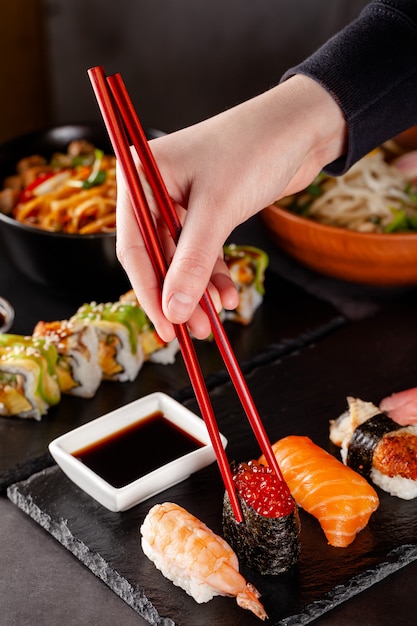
(46,585)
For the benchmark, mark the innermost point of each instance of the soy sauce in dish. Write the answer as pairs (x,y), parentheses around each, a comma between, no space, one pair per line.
(140,448)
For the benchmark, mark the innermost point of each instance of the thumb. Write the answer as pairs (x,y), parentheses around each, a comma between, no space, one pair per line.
(191,267)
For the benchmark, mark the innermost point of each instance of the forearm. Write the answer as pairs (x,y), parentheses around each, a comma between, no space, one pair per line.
(260,150)
(370,70)
(226,169)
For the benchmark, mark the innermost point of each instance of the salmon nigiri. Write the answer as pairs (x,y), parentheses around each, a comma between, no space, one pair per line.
(340,499)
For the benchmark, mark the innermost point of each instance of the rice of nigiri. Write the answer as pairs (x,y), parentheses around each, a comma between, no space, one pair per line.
(194,558)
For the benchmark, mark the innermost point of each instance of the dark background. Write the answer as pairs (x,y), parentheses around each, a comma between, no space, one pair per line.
(182,60)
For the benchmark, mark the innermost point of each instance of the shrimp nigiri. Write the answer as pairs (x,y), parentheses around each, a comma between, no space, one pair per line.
(194,558)
(340,499)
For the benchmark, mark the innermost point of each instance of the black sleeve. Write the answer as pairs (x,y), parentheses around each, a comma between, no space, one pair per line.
(370,69)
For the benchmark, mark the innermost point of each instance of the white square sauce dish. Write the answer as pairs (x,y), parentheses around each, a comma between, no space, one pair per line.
(133,453)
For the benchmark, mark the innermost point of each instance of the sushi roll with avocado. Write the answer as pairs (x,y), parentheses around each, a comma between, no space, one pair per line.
(154,348)
(247,266)
(377,447)
(118,326)
(28,381)
(78,370)
(268,540)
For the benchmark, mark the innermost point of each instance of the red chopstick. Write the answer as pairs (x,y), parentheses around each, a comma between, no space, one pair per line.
(164,202)
(113,104)
(121,147)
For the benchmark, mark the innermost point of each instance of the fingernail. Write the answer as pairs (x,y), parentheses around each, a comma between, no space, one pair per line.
(181,305)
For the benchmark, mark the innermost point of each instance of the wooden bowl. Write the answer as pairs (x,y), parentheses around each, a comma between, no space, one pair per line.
(407,139)
(368,258)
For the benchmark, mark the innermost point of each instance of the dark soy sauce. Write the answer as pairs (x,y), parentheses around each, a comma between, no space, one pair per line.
(136,450)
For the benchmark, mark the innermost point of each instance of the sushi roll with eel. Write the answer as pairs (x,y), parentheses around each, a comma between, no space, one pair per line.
(339,498)
(78,370)
(28,380)
(118,326)
(268,538)
(377,447)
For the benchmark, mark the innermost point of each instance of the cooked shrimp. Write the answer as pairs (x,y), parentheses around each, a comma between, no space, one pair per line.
(194,558)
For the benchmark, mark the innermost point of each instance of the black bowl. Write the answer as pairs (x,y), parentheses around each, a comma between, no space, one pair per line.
(60,261)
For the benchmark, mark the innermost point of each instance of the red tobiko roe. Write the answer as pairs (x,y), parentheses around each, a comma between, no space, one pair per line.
(262,490)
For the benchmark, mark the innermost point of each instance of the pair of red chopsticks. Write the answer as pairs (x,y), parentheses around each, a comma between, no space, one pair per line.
(123,126)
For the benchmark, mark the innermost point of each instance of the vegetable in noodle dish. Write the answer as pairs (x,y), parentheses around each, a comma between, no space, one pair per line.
(373,196)
(73,192)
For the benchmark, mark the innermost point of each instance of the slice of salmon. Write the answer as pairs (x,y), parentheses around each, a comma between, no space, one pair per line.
(337,496)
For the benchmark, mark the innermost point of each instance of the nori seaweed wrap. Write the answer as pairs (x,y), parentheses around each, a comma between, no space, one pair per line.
(267,541)
(365,439)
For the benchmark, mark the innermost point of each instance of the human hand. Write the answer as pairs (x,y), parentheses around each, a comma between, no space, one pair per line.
(219,173)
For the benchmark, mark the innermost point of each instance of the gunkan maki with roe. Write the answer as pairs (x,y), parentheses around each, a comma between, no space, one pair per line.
(268,538)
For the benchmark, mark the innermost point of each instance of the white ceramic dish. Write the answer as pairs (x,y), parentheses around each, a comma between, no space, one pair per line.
(167,475)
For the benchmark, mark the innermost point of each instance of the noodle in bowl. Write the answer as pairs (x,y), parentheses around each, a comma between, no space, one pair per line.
(85,264)
(343,237)
(366,198)
(373,196)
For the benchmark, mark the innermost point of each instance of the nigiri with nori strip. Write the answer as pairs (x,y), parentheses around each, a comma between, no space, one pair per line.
(338,497)
(194,558)
(268,538)
(377,447)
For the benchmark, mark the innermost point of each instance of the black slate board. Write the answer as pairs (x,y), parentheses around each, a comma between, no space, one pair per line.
(296,394)
(280,326)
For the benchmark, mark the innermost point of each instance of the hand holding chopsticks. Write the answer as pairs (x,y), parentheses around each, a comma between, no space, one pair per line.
(123,125)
